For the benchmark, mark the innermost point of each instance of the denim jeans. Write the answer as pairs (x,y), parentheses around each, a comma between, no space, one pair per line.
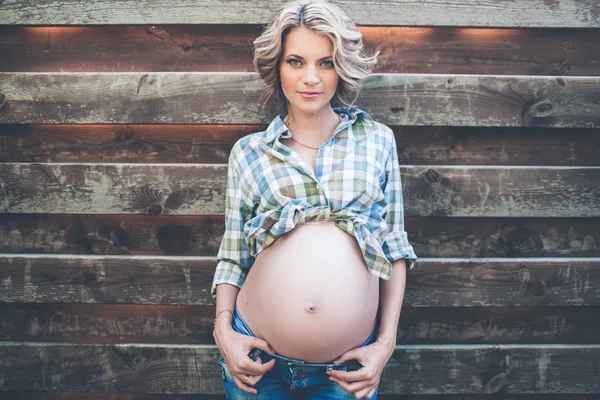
(290,378)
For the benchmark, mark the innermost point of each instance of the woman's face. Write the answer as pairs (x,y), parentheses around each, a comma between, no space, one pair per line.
(308,77)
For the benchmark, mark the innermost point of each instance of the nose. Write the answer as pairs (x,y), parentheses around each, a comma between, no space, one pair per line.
(311,77)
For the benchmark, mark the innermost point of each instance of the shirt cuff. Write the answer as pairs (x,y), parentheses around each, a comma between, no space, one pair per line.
(227,272)
(396,246)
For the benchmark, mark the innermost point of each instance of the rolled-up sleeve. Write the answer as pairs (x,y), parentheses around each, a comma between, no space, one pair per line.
(395,244)
(233,258)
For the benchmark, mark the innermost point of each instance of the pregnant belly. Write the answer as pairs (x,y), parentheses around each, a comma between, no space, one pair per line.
(310,294)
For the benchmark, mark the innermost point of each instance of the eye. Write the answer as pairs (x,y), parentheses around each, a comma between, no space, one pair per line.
(291,62)
(328,64)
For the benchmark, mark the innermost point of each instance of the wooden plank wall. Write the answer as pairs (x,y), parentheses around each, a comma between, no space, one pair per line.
(116,121)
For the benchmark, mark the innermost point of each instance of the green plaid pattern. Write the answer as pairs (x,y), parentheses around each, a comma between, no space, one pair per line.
(271,190)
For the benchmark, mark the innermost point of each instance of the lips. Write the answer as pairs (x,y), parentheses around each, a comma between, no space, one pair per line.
(309,95)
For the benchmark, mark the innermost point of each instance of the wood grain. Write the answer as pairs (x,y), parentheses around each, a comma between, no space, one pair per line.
(234,98)
(188,235)
(229,48)
(414,369)
(125,323)
(523,13)
(192,144)
(173,189)
(186,281)
(145,396)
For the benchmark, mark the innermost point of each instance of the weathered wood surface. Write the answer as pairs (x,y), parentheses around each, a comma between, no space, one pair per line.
(524,13)
(201,235)
(117,323)
(187,369)
(99,234)
(459,191)
(186,281)
(136,280)
(142,143)
(106,189)
(141,396)
(233,98)
(212,144)
(229,48)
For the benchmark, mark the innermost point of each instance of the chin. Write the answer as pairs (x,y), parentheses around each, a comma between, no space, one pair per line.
(311,108)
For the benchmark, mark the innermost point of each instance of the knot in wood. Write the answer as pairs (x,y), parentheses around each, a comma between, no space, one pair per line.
(3,101)
(432,175)
(542,109)
(495,383)
(124,135)
(538,288)
(137,361)
(155,209)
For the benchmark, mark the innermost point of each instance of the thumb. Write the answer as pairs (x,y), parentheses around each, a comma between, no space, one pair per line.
(262,345)
(349,355)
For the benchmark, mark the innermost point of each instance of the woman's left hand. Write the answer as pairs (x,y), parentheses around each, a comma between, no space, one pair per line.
(363,382)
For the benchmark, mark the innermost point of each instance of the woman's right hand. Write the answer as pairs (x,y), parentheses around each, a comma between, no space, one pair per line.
(234,348)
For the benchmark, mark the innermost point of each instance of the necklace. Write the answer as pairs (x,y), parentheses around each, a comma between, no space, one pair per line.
(303,145)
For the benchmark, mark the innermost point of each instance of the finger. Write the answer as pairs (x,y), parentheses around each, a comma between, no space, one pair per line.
(354,386)
(250,380)
(350,355)
(240,383)
(348,376)
(257,367)
(261,344)
(365,393)
(372,392)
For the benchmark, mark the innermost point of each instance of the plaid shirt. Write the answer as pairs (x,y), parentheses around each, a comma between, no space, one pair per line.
(271,190)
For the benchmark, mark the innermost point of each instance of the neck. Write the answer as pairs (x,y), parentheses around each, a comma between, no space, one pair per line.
(314,128)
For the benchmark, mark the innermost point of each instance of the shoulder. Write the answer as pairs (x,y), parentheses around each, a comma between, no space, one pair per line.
(246,148)
(365,127)
(245,143)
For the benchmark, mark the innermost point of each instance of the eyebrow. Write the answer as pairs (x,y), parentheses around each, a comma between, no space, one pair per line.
(302,58)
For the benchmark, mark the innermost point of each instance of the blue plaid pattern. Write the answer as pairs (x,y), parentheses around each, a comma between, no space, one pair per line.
(271,190)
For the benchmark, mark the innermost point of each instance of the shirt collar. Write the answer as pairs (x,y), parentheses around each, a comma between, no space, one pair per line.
(277,127)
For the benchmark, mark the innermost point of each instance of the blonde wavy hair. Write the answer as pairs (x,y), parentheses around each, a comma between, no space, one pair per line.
(322,17)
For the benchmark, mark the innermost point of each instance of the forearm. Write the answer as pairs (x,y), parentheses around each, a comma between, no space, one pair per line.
(391,295)
(226,298)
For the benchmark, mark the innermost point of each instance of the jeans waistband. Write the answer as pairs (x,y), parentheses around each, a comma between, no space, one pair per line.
(240,326)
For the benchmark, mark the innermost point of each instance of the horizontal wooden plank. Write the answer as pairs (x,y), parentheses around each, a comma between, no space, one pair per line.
(108,189)
(233,98)
(89,279)
(118,323)
(414,369)
(185,144)
(115,234)
(173,189)
(229,48)
(193,144)
(187,280)
(183,235)
(524,13)
(145,396)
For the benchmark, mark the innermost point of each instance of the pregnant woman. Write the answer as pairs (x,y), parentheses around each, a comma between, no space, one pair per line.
(312,267)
